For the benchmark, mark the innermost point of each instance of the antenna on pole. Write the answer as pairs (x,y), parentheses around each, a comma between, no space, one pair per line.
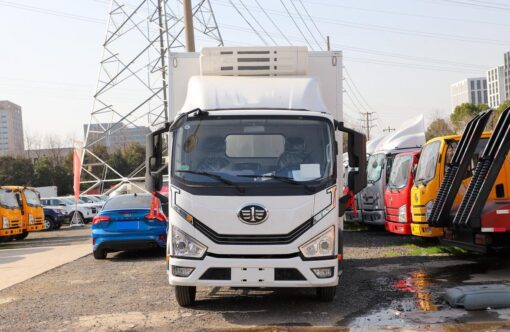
(131,97)
(388,130)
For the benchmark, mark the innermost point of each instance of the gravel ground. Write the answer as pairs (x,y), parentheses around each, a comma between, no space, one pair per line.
(383,285)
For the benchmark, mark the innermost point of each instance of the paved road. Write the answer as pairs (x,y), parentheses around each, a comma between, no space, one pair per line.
(41,252)
(384,284)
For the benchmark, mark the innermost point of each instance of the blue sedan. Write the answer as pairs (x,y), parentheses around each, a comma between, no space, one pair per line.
(127,222)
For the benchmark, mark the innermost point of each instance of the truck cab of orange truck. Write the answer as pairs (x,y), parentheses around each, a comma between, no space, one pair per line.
(397,196)
(31,209)
(10,216)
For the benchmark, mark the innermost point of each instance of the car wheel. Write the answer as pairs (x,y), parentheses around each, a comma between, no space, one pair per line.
(21,236)
(49,225)
(185,295)
(326,294)
(100,254)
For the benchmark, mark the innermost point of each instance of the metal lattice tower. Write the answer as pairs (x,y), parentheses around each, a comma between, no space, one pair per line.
(131,95)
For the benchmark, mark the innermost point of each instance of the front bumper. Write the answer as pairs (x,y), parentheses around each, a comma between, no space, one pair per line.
(35,228)
(351,217)
(424,230)
(374,217)
(10,231)
(398,228)
(253,272)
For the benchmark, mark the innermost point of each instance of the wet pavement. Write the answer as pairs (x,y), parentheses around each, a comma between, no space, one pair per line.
(385,286)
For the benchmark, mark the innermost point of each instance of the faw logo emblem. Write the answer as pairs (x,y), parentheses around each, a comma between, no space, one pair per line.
(253,214)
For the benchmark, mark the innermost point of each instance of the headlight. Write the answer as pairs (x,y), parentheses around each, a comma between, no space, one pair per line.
(428,209)
(5,222)
(321,245)
(184,245)
(30,219)
(402,213)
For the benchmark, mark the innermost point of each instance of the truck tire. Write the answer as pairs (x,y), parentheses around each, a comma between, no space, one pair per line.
(326,294)
(100,254)
(185,295)
(21,236)
(49,224)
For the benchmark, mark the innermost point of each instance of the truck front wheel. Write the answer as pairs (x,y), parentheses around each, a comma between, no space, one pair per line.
(21,236)
(326,294)
(185,295)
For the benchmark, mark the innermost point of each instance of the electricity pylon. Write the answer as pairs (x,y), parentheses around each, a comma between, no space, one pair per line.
(131,96)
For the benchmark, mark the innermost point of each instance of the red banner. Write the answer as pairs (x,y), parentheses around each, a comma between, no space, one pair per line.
(77,174)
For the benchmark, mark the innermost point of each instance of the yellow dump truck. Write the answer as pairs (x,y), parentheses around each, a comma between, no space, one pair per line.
(31,209)
(10,216)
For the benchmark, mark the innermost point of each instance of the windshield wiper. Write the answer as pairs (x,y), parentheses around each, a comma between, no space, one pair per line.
(215,176)
(284,179)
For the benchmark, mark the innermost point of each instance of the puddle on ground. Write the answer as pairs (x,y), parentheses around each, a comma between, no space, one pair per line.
(421,293)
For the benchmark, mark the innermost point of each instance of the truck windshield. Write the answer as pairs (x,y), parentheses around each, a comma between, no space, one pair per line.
(400,172)
(8,199)
(426,169)
(375,165)
(242,150)
(32,198)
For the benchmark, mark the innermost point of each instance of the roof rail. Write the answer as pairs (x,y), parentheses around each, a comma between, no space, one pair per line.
(485,174)
(440,214)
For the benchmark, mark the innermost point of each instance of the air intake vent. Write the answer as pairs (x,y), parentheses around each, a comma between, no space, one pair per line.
(254,61)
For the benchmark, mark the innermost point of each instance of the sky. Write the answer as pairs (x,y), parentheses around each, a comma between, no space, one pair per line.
(400,56)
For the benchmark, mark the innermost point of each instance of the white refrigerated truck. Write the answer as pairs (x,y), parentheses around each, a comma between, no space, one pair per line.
(255,169)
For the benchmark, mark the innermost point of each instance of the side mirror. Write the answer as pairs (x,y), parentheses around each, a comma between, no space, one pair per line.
(154,166)
(61,204)
(357,174)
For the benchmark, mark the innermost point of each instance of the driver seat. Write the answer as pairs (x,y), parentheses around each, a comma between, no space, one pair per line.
(294,153)
(215,150)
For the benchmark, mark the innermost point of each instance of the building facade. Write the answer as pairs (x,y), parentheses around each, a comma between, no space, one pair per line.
(507,75)
(496,86)
(115,136)
(11,129)
(469,90)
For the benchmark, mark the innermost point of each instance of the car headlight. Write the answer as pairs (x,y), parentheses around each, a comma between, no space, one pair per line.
(30,219)
(402,213)
(428,209)
(5,222)
(321,245)
(184,245)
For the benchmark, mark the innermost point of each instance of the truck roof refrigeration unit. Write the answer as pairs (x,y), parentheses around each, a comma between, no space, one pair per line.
(255,163)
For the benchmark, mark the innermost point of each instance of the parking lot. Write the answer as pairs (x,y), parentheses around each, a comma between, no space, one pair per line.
(389,281)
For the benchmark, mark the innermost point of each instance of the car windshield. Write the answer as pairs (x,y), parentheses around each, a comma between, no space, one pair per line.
(87,199)
(32,198)
(128,202)
(68,201)
(400,171)
(253,150)
(8,199)
(426,169)
(375,165)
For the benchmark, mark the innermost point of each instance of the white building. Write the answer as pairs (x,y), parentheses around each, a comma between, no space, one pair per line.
(469,90)
(507,75)
(496,90)
(11,129)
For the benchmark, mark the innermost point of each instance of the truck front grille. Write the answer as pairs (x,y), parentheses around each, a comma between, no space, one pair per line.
(253,238)
(15,224)
(38,221)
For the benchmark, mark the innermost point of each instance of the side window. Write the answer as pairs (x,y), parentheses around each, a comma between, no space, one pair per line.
(450,150)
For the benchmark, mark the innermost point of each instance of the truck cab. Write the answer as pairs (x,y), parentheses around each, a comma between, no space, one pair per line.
(434,160)
(409,137)
(397,197)
(255,170)
(10,216)
(31,210)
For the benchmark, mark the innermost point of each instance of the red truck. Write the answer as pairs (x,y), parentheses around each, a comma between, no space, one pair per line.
(397,197)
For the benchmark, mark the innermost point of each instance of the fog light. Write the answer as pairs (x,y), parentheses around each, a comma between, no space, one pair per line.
(181,271)
(324,272)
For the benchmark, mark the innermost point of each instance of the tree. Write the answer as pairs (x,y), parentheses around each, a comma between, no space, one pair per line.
(16,171)
(463,113)
(438,127)
(134,154)
(498,112)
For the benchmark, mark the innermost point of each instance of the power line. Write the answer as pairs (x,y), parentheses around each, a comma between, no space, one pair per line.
(258,23)
(247,22)
(388,130)
(272,22)
(367,121)
(313,21)
(295,23)
(306,25)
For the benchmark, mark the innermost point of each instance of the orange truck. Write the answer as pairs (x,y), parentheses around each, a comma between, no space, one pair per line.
(31,209)
(10,216)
